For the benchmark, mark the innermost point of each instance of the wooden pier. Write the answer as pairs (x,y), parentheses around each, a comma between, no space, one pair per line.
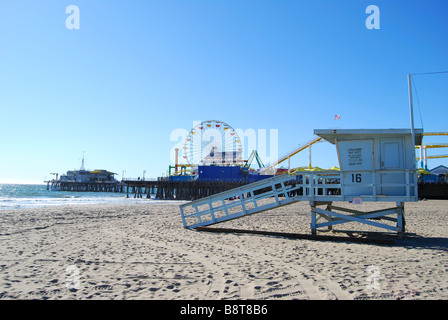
(158,189)
(177,190)
(92,187)
(57,185)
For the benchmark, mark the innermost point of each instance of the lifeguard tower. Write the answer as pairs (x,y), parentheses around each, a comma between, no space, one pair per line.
(377,165)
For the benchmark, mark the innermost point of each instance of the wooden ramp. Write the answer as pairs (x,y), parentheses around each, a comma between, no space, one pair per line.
(249,199)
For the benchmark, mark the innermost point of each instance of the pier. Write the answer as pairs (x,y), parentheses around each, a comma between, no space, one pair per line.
(177,190)
(100,186)
(92,187)
(157,189)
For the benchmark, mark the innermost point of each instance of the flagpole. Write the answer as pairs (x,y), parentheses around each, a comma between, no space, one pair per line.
(411,109)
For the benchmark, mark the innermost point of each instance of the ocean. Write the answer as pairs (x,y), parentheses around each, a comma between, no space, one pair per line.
(21,196)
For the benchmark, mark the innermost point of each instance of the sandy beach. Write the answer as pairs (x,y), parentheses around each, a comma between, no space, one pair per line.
(142,251)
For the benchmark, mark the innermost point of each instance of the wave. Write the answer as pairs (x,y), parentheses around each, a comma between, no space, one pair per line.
(23,203)
(36,196)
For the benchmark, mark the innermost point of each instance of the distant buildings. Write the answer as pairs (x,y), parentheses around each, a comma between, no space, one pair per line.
(439,170)
(437,175)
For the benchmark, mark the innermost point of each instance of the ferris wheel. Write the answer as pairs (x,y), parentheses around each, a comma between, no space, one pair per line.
(213,142)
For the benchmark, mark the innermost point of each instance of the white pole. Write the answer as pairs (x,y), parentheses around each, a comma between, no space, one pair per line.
(412,115)
(426,160)
(421,156)
(177,161)
(289,165)
(310,157)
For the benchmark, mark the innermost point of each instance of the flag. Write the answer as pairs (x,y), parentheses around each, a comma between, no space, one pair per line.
(337,117)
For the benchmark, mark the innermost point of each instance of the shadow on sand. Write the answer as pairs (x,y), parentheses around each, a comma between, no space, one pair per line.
(415,241)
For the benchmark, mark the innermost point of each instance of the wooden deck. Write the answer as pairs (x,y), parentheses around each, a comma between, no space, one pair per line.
(177,190)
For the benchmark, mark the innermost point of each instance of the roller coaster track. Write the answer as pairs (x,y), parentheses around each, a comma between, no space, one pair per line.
(433,145)
(291,153)
(435,134)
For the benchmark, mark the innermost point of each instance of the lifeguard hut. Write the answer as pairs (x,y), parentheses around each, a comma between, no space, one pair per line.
(377,165)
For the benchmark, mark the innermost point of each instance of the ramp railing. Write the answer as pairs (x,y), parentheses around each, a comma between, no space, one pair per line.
(260,196)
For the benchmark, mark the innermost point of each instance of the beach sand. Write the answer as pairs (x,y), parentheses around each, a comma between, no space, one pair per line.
(142,251)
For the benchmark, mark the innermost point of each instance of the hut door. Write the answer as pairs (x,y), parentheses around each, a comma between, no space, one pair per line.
(391,158)
(391,154)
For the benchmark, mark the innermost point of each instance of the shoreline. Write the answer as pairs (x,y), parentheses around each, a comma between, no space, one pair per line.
(142,252)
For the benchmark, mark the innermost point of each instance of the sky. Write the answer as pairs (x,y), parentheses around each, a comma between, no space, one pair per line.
(133,74)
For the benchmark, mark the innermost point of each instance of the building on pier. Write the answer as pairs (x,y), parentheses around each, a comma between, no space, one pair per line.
(86,176)
(98,180)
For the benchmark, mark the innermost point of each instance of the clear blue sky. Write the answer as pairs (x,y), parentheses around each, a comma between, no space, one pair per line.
(136,70)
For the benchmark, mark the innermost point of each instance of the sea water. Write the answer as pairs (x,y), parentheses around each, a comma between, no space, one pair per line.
(21,196)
